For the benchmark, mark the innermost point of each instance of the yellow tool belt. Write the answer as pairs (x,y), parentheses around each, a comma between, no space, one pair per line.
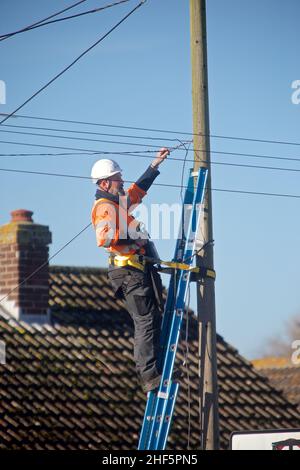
(127,260)
(139,262)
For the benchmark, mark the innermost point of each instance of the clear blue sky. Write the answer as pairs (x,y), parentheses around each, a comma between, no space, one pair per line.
(140,76)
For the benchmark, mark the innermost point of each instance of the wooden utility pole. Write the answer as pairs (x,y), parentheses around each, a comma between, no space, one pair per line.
(209,416)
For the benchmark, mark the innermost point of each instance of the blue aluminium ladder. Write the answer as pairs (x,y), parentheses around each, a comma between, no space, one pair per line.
(160,403)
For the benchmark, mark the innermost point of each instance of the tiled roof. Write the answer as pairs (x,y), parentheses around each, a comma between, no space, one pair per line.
(72,384)
(282,374)
(81,289)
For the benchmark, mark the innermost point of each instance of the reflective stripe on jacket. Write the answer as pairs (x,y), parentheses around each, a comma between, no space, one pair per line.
(114,224)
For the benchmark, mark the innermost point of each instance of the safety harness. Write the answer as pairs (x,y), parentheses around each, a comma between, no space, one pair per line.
(140,262)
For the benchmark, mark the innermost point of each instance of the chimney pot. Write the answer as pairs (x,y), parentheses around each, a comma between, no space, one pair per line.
(21,215)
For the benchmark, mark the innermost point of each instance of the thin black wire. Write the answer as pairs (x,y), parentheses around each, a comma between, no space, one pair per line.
(248,139)
(74,61)
(60,154)
(85,151)
(45,263)
(40,25)
(85,139)
(183,168)
(48,146)
(8,35)
(256,193)
(205,245)
(91,133)
(134,153)
(181,187)
(251,155)
(137,154)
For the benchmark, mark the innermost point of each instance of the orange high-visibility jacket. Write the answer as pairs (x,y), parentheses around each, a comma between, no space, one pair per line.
(116,229)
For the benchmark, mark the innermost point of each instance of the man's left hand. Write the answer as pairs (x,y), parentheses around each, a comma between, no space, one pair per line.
(160,157)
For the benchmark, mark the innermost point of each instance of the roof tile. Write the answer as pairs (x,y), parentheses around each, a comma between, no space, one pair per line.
(72,384)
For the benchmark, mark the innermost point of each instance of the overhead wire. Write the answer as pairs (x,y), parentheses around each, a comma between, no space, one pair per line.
(134,153)
(31,144)
(74,62)
(166,131)
(26,28)
(76,131)
(82,150)
(85,139)
(183,168)
(57,154)
(250,155)
(295,196)
(40,25)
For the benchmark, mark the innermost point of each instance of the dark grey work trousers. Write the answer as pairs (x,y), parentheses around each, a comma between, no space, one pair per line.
(142,292)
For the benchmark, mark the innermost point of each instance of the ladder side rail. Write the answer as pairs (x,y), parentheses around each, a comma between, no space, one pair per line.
(187,201)
(178,255)
(148,416)
(168,416)
(164,389)
(163,392)
(165,423)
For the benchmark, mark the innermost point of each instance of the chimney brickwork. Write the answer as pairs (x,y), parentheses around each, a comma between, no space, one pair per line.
(24,249)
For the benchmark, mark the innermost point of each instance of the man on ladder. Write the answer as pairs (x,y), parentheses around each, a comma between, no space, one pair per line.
(138,283)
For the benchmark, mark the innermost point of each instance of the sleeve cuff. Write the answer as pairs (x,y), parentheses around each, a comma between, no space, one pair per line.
(146,180)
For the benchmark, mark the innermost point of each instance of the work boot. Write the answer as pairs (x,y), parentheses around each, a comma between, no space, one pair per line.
(154,383)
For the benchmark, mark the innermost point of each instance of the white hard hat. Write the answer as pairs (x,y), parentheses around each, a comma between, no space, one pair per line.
(104,169)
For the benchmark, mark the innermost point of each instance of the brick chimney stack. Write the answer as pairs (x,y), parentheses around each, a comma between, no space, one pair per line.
(23,249)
